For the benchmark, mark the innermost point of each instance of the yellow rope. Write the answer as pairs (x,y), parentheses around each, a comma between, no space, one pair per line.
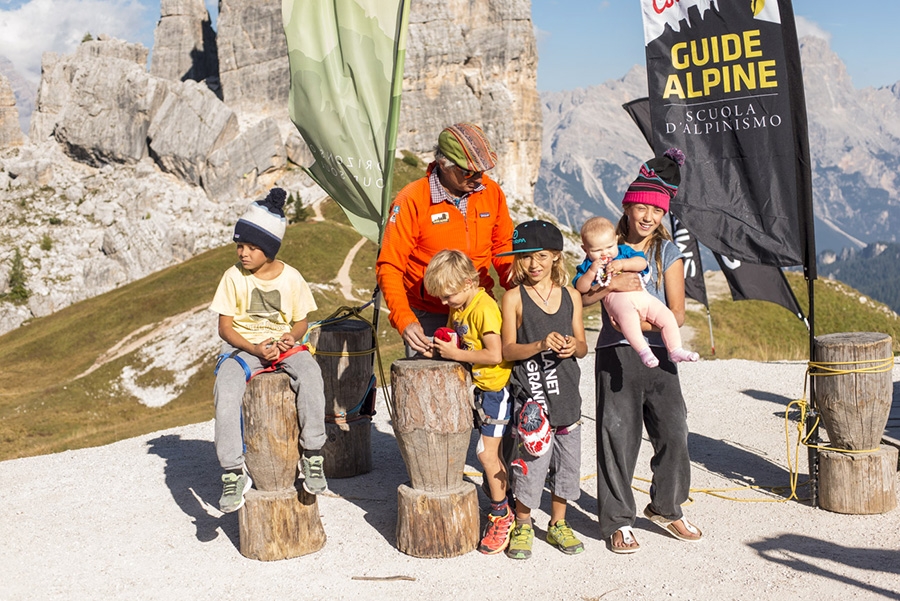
(342,314)
(824,369)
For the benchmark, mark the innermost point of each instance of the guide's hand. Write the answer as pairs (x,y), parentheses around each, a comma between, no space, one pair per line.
(415,337)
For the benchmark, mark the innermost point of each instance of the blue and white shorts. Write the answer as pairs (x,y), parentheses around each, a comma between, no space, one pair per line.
(497,406)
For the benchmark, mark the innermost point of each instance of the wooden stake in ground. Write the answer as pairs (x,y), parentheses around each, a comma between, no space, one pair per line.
(437,511)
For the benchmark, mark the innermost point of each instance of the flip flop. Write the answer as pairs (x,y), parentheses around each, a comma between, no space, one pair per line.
(627,539)
(668,526)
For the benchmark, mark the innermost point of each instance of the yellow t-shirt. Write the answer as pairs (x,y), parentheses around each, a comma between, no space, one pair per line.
(481,316)
(263,309)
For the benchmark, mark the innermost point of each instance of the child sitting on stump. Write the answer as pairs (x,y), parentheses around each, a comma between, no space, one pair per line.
(262,305)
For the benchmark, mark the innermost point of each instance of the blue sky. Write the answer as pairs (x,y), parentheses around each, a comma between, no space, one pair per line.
(581,43)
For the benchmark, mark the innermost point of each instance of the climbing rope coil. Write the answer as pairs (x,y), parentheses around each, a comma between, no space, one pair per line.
(813,370)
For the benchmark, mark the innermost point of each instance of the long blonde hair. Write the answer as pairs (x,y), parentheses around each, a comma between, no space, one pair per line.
(654,247)
(559,274)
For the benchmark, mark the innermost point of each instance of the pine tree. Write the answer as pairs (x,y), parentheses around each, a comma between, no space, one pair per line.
(18,294)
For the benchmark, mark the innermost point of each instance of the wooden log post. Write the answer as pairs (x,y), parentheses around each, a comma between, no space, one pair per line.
(437,511)
(279,519)
(347,377)
(854,407)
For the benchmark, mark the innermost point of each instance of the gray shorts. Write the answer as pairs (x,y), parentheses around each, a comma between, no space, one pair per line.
(562,463)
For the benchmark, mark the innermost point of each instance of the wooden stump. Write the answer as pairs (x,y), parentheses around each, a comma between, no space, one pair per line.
(280,524)
(271,432)
(437,524)
(854,406)
(854,409)
(438,512)
(277,521)
(858,483)
(348,450)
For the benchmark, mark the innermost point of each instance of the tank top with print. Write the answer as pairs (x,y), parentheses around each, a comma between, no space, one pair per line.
(545,377)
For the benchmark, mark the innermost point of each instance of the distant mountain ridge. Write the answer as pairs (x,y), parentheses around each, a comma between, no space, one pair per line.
(591,151)
(872,270)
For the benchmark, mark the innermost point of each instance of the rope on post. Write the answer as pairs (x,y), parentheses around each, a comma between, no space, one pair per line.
(344,313)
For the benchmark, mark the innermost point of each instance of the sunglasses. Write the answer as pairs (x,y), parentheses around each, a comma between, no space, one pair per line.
(466,173)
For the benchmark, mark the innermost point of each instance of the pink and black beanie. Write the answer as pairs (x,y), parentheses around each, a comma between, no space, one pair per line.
(657,183)
(263,223)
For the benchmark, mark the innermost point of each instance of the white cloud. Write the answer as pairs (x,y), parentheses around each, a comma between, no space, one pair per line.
(39,26)
(805,28)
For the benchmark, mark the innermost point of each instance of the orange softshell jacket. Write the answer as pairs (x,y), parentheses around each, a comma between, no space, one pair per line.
(417,229)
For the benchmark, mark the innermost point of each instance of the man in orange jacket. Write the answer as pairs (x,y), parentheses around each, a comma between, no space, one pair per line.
(454,206)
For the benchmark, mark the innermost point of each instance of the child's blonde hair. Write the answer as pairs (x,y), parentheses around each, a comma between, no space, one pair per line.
(559,274)
(448,273)
(597,226)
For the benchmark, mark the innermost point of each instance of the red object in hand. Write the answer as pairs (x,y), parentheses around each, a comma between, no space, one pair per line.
(447,335)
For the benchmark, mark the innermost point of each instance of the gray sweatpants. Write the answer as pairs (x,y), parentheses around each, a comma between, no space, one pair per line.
(231,381)
(630,395)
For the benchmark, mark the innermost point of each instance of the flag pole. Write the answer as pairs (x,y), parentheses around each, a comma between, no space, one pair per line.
(812,432)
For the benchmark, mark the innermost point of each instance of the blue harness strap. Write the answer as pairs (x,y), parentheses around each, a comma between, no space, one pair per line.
(233,355)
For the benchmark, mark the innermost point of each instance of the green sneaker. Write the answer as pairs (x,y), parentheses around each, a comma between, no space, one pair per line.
(313,474)
(521,541)
(233,488)
(561,536)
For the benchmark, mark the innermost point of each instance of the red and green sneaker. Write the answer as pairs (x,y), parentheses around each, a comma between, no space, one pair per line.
(497,533)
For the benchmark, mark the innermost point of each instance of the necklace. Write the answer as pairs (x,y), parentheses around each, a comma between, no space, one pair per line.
(543,300)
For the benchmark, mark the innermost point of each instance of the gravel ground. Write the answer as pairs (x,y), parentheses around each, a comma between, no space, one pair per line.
(137,520)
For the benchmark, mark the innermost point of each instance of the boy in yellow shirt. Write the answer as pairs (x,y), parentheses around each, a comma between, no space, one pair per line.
(475,319)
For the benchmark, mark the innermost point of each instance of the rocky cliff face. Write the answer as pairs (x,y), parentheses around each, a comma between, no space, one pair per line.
(10,132)
(475,61)
(592,150)
(184,43)
(127,172)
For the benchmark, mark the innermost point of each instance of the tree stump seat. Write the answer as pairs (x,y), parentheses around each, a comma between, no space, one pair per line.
(279,519)
(854,405)
(343,351)
(437,510)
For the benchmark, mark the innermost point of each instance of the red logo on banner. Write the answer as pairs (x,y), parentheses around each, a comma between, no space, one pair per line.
(665,4)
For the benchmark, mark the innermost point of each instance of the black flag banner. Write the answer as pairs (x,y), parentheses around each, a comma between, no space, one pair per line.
(694,284)
(748,281)
(726,87)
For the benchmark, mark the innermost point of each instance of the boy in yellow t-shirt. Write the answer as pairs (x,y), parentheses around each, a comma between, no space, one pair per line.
(262,305)
(475,319)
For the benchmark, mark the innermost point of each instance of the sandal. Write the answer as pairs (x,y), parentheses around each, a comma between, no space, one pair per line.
(627,539)
(669,526)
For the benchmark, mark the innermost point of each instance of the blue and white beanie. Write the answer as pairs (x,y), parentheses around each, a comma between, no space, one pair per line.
(263,223)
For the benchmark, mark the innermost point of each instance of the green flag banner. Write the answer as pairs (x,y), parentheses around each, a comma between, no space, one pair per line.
(346,60)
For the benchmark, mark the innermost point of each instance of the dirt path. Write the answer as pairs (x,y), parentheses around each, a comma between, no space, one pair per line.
(343,275)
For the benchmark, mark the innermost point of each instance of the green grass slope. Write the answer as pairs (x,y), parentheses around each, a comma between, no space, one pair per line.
(45,409)
(762,331)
